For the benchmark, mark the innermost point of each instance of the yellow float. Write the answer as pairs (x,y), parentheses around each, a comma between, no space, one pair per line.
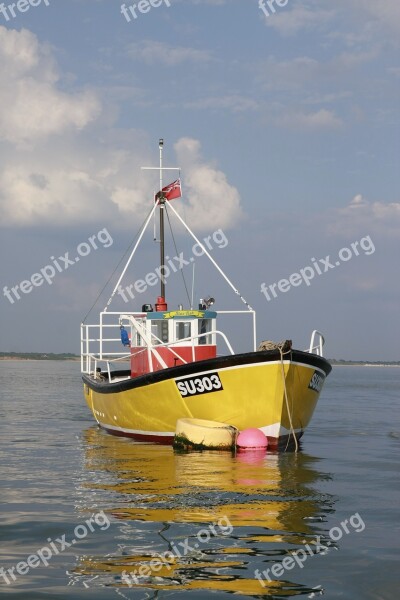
(199,434)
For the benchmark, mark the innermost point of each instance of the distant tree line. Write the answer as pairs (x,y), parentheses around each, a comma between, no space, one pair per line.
(334,361)
(39,355)
(70,356)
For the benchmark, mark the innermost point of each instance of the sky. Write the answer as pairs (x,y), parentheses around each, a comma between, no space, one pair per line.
(284,121)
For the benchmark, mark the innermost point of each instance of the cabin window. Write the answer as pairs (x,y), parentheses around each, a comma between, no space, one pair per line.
(182,330)
(205,326)
(159,329)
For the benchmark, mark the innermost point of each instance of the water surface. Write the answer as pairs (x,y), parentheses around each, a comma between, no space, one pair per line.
(166,524)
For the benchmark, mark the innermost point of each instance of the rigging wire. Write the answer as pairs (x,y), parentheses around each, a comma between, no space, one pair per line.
(116,268)
(176,250)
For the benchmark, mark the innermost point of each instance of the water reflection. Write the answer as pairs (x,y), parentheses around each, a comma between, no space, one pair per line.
(218,517)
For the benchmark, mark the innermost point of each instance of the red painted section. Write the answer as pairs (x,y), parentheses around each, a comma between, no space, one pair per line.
(161,304)
(162,440)
(140,364)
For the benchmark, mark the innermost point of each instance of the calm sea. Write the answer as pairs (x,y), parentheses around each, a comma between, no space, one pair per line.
(150,523)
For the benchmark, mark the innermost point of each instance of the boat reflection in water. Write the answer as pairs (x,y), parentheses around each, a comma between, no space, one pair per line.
(214,517)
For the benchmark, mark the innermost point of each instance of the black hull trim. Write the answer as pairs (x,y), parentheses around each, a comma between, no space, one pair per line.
(212,364)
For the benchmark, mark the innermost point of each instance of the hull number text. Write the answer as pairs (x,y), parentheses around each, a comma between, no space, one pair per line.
(317,381)
(204,384)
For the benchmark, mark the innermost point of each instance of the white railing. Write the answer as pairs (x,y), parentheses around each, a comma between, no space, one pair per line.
(170,345)
(316,346)
(96,347)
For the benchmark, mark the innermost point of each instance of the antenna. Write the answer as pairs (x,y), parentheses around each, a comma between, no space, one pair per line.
(161,203)
(162,239)
(191,302)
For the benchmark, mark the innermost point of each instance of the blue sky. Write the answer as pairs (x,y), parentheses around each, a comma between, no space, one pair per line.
(286,128)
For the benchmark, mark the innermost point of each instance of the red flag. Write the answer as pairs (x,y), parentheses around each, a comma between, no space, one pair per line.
(171,191)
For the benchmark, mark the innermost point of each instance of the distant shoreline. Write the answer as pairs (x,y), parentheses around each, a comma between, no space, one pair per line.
(37,356)
(32,356)
(365,365)
(36,359)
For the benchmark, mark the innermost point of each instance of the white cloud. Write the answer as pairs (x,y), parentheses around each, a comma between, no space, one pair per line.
(290,21)
(82,181)
(303,72)
(321,119)
(211,2)
(213,202)
(386,12)
(79,178)
(313,15)
(55,196)
(133,200)
(31,106)
(233,102)
(287,75)
(363,216)
(331,84)
(153,52)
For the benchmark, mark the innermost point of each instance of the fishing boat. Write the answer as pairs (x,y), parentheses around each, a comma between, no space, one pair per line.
(171,367)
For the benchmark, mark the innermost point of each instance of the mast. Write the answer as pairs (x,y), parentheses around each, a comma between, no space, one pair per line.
(162,239)
(160,198)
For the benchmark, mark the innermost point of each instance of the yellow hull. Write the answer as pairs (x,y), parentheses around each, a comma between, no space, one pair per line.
(243,395)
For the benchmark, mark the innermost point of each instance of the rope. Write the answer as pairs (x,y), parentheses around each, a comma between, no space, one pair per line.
(296,444)
(116,268)
(284,347)
(176,250)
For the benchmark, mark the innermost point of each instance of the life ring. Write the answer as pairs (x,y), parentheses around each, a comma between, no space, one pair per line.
(201,434)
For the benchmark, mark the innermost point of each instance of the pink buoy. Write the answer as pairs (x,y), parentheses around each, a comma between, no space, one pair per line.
(252,438)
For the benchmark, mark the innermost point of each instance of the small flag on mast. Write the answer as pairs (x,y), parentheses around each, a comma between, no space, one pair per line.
(171,191)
